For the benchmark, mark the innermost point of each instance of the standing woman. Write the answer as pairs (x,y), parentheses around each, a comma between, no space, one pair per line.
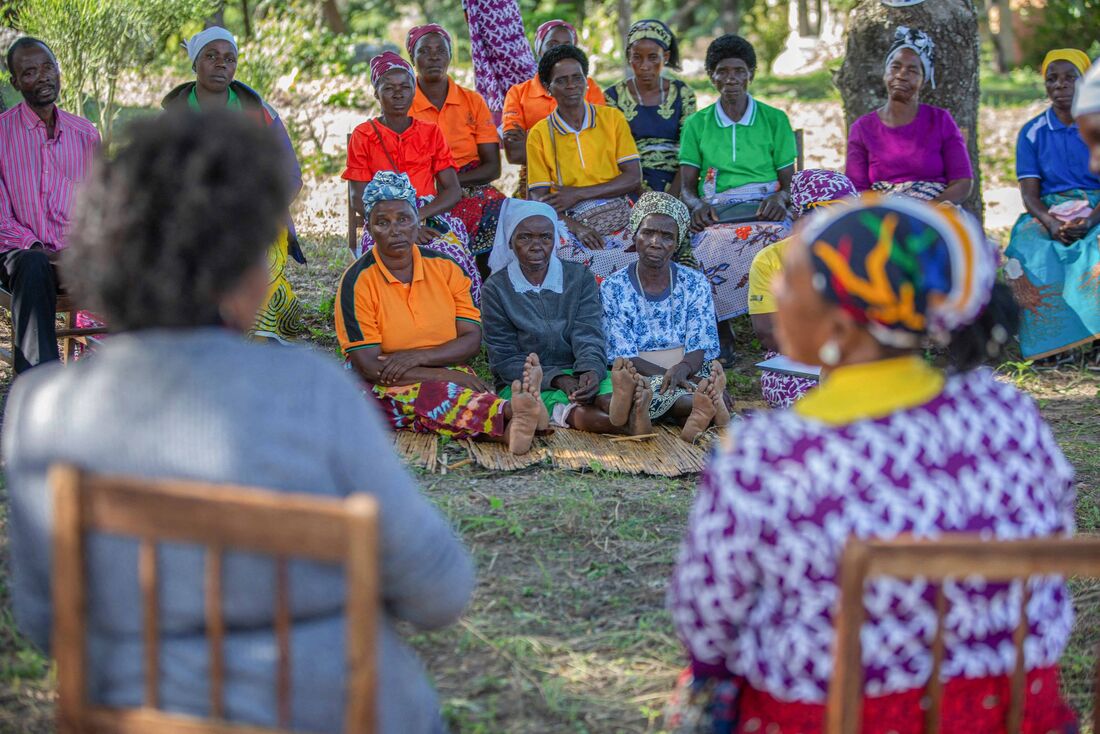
(467,125)
(656,106)
(905,147)
(1053,248)
(396,142)
(213,54)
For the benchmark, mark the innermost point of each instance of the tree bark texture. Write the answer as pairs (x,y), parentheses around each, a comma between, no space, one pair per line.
(334,19)
(953,26)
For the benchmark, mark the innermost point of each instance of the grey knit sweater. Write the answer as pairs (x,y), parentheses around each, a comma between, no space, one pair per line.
(205,405)
(565,329)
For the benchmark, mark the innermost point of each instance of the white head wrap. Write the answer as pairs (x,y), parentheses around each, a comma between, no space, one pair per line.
(200,40)
(512,212)
(1087,99)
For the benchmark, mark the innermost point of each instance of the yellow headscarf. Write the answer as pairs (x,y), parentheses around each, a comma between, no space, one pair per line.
(1080,59)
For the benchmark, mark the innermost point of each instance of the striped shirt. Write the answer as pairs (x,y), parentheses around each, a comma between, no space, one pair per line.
(39,176)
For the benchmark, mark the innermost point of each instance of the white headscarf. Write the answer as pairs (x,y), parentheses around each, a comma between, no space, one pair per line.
(512,212)
(200,40)
(1087,99)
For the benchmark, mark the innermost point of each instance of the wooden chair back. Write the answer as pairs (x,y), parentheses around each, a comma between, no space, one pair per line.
(799,141)
(69,334)
(952,556)
(220,518)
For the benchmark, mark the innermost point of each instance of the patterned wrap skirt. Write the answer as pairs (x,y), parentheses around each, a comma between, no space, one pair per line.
(781,390)
(661,404)
(280,317)
(479,210)
(1059,290)
(611,220)
(923,190)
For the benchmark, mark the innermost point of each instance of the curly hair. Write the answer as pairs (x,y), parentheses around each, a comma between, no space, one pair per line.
(729,46)
(168,226)
(556,54)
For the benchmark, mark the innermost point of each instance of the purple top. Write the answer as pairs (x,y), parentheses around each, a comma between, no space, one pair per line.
(930,148)
(755,588)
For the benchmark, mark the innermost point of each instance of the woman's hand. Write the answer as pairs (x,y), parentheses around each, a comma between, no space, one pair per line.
(1073,230)
(564,198)
(677,377)
(395,365)
(427,235)
(774,207)
(468,381)
(702,216)
(589,237)
(588,385)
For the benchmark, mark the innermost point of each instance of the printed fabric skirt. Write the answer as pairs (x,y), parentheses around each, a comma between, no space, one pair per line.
(923,190)
(280,317)
(970,706)
(781,390)
(479,210)
(444,408)
(611,220)
(661,404)
(451,243)
(1059,291)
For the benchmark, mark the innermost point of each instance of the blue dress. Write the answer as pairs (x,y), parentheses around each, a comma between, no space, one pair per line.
(656,128)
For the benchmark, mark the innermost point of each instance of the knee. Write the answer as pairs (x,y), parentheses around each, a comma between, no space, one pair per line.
(31,264)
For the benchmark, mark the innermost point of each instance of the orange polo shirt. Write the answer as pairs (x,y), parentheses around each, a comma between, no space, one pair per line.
(464,119)
(421,152)
(529,102)
(373,308)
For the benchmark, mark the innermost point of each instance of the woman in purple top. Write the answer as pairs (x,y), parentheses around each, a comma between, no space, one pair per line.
(905,147)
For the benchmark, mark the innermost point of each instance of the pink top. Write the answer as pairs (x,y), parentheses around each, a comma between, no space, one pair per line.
(930,148)
(39,176)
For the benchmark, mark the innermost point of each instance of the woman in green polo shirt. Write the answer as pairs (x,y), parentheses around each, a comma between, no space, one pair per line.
(737,151)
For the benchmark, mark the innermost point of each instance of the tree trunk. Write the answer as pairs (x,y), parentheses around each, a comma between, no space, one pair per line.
(729,16)
(625,19)
(953,26)
(218,16)
(1006,35)
(803,17)
(334,19)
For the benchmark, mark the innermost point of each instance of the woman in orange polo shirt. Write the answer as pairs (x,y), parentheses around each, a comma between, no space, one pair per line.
(406,322)
(468,127)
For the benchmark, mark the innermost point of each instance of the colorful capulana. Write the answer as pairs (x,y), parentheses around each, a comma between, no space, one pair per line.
(814,187)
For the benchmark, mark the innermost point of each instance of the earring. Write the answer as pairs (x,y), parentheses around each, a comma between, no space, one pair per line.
(829,353)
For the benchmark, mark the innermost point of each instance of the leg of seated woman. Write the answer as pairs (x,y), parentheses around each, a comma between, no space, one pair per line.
(595,418)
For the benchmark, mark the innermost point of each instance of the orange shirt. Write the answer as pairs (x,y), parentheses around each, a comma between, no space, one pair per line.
(420,151)
(529,102)
(373,308)
(464,119)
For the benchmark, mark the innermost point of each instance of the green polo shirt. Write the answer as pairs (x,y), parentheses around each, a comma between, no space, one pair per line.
(749,150)
(232,101)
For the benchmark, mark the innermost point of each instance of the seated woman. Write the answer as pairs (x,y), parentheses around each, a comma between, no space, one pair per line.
(654,105)
(213,54)
(1054,258)
(397,142)
(888,445)
(182,384)
(467,125)
(740,152)
(810,189)
(582,161)
(406,322)
(905,147)
(535,303)
(658,318)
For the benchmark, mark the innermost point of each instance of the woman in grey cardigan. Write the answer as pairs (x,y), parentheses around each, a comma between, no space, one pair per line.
(170,246)
(534,303)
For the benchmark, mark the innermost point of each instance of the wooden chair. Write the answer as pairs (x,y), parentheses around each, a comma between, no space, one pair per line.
(799,139)
(955,556)
(69,334)
(219,518)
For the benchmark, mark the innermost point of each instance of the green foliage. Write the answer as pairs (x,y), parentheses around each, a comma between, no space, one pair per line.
(766,26)
(1061,24)
(97,40)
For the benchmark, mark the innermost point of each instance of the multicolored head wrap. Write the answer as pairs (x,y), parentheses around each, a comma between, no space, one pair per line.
(203,38)
(385,62)
(1087,100)
(919,43)
(658,202)
(814,187)
(547,28)
(420,31)
(388,186)
(904,268)
(654,30)
(1080,59)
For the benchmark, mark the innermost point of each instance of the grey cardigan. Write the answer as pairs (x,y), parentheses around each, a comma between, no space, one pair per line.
(205,405)
(565,329)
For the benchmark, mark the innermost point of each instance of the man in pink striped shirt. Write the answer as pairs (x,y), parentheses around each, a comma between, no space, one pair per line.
(44,155)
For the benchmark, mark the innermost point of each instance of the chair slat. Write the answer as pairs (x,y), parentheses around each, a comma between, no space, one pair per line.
(362,604)
(215,630)
(147,578)
(934,717)
(282,635)
(1015,720)
(67,581)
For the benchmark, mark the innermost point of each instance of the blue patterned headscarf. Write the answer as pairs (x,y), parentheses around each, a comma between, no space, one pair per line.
(388,186)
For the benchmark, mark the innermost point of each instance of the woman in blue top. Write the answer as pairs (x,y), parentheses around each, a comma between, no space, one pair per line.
(1054,259)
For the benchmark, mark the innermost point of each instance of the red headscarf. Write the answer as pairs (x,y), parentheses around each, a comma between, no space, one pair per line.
(422,30)
(547,28)
(388,61)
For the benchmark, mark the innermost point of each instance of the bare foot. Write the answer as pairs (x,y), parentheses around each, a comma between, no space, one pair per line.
(622,392)
(532,383)
(702,411)
(639,423)
(520,431)
(721,410)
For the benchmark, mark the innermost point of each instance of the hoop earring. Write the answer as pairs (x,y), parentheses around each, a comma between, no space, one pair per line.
(829,353)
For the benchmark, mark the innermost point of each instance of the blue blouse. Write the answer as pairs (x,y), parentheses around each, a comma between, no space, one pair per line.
(1055,154)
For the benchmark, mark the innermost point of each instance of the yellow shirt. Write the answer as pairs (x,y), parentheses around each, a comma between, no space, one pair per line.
(767,264)
(586,157)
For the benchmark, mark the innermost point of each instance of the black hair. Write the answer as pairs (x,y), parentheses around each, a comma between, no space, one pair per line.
(24,42)
(168,226)
(985,340)
(729,46)
(556,54)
